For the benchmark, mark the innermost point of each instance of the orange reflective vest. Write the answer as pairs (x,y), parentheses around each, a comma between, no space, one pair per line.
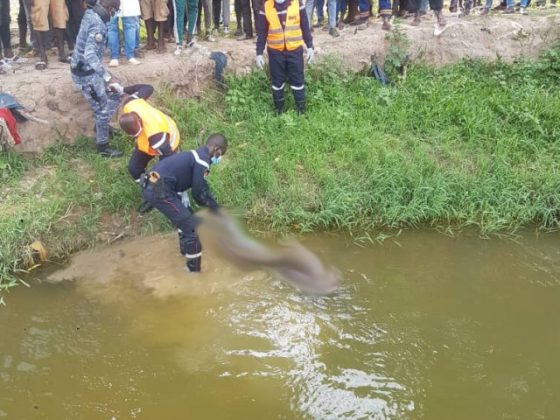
(283,38)
(153,122)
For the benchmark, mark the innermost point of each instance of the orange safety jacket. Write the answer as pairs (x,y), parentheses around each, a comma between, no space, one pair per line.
(153,122)
(288,38)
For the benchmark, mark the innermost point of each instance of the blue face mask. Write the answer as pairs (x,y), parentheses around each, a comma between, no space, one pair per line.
(215,160)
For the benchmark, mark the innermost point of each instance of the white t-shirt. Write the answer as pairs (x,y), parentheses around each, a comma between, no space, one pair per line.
(129,8)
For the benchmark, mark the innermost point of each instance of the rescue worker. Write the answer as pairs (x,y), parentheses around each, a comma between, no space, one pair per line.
(99,88)
(156,134)
(283,27)
(166,188)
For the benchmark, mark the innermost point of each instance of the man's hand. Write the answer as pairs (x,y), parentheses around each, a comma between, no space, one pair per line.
(310,55)
(116,87)
(260,62)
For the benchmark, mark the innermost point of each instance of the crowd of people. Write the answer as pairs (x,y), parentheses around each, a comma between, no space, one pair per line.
(46,23)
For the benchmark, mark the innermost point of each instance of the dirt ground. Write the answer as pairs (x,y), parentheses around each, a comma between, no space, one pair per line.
(49,95)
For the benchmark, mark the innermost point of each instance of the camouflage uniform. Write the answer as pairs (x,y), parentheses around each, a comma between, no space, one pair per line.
(90,77)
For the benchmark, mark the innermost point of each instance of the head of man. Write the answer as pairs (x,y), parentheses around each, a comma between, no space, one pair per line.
(131,124)
(217,146)
(110,6)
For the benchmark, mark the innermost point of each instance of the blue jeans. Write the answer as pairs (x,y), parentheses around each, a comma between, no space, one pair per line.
(131,30)
(331,10)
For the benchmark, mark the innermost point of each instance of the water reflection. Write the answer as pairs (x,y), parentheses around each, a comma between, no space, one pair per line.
(430,327)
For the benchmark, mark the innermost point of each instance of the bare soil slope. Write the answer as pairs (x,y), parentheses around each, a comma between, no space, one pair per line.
(51,97)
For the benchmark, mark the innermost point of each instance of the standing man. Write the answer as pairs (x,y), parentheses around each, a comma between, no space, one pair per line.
(217,10)
(155,12)
(171,178)
(385,11)
(179,23)
(41,11)
(283,27)
(5,37)
(99,88)
(436,6)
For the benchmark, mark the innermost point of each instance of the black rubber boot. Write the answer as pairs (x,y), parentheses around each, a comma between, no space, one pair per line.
(278,99)
(106,151)
(193,265)
(299,99)
(145,207)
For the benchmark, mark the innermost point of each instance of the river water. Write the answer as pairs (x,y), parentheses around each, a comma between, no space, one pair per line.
(424,326)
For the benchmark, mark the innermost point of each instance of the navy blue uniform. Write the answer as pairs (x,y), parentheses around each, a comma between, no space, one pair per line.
(285,64)
(177,174)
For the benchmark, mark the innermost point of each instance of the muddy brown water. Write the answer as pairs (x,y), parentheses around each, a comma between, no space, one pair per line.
(424,326)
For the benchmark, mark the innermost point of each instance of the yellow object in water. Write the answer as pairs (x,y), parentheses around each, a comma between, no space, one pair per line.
(40,249)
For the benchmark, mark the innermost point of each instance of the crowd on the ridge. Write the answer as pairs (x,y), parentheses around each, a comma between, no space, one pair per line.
(46,23)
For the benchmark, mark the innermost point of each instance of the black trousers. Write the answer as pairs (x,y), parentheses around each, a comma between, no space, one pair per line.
(75,14)
(139,161)
(257,5)
(287,65)
(5,39)
(216,12)
(246,14)
(164,198)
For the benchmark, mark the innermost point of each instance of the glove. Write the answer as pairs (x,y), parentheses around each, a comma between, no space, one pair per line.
(116,87)
(260,62)
(310,55)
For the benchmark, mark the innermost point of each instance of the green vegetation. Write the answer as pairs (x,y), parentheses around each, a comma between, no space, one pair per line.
(473,144)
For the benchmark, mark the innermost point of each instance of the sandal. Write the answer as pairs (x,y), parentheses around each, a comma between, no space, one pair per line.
(40,65)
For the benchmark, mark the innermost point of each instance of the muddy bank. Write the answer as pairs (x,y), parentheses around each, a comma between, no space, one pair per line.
(51,97)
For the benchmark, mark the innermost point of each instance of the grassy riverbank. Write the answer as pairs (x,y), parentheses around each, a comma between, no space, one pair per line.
(472,144)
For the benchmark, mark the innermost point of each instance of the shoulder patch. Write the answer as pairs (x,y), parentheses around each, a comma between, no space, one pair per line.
(98,37)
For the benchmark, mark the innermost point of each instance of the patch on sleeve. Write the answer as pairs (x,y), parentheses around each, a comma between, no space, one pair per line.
(98,37)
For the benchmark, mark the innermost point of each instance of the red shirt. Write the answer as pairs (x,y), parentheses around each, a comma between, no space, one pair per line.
(6,115)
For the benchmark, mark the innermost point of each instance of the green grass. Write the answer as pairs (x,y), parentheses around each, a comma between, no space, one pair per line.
(469,145)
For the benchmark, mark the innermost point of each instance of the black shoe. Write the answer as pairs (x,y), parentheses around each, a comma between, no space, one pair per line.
(244,37)
(106,151)
(145,207)
(114,131)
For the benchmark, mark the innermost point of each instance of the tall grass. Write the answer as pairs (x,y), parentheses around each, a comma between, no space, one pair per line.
(473,144)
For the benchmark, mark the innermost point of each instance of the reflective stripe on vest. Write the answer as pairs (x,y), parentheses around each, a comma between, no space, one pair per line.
(198,160)
(153,122)
(288,38)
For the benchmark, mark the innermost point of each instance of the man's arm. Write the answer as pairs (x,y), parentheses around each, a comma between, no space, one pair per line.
(261,32)
(201,190)
(140,91)
(94,38)
(305,31)
(160,143)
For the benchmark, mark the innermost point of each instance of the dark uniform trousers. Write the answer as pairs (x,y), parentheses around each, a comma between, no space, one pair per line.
(166,200)
(287,65)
